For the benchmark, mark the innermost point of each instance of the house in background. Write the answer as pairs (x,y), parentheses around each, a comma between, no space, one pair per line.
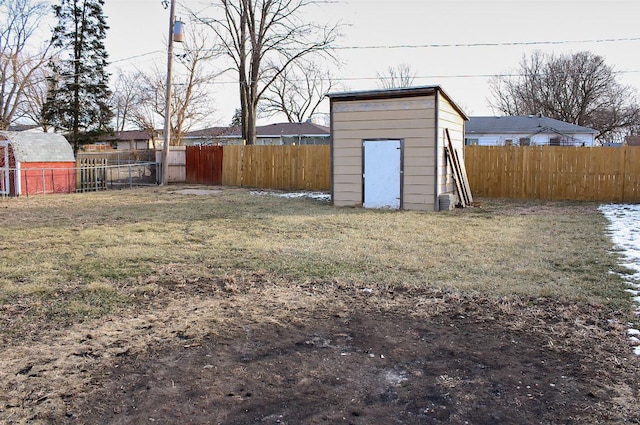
(213,136)
(129,140)
(27,127)
(526,130)
(632,140)
(304,133)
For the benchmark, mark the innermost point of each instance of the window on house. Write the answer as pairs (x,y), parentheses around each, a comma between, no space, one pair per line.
(471,142)
(525,141)
(508,142)
(554,141)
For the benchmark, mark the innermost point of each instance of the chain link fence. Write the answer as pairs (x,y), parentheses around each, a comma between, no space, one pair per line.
(89,173)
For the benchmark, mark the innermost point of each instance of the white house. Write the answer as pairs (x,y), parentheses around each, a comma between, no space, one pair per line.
(526,130)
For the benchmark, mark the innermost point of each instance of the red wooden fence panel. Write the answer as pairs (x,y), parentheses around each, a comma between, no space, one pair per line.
(204,165)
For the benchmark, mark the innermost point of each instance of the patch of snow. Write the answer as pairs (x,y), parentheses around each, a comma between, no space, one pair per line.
(624,230)
(394,378)
(320,196)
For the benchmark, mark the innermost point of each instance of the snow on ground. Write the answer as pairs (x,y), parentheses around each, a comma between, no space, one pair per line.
(320,196)
(624,230)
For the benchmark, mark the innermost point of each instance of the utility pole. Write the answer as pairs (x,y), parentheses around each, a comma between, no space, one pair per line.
(167,106)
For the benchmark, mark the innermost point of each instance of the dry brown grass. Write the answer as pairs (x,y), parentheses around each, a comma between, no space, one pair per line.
(93,283)
(68,258)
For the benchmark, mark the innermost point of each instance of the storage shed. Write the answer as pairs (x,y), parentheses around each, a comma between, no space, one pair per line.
(35,163)
(389,148)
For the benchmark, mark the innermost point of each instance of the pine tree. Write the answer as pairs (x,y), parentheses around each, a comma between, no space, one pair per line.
(236,121)
(78,93)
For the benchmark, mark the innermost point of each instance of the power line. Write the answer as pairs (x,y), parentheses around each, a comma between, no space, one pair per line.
(437,45)
(155,52)
(499,44)
(425,77)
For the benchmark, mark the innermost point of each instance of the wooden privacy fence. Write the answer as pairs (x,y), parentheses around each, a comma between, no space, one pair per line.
(605,174)
(177,164)
(203,164)
(305,167)
(290,167)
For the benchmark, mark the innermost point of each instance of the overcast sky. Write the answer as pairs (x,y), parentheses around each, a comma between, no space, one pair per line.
(443,40)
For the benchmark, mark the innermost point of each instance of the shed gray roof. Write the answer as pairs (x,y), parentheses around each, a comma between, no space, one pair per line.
(523,124)
(39,147)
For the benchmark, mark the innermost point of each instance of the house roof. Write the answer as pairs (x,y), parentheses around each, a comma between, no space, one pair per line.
(271,130)
(523,124)
(25,127)
(214,132)
(129,135)
(632,140)
(292,129)
(397,93)
(39,147)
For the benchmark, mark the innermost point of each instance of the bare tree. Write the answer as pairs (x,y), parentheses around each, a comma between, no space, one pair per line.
(124,97)
(256,33)
(578,88)
(18,65)
(396,77)
(191,101)
(35,95)
(297,91)
(147,99)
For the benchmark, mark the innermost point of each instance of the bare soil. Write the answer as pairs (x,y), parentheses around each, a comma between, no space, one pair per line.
(256,349)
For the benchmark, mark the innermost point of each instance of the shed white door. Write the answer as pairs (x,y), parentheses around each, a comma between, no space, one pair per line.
(382,173)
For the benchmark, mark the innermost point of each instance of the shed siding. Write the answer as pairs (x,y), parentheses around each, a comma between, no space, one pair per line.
(386,105)
(450,119)
(38,178)
(417,116)
(393,119)
(409,119)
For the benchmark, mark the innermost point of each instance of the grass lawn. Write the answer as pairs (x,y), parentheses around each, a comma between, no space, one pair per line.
(67,258)
(73,263)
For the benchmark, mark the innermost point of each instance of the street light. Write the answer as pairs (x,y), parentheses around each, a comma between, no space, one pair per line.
(175,34)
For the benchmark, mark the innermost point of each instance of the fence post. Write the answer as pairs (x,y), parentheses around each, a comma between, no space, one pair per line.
(624,171)
(95,174)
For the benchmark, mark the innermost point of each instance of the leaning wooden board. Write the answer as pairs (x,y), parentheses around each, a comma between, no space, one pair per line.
(456,177)
(465,178)
(459,173)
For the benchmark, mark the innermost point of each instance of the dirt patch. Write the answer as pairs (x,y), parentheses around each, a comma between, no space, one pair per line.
(364,369)
(252,352)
